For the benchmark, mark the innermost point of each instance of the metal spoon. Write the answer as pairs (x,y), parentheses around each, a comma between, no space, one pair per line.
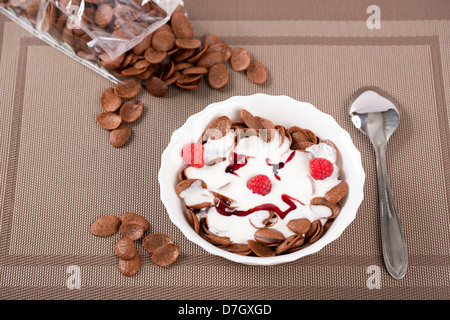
(375,113)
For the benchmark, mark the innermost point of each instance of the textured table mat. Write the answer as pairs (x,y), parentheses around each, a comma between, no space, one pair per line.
(58,171)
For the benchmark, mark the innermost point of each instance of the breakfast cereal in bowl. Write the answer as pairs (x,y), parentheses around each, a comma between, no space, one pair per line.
(258,190)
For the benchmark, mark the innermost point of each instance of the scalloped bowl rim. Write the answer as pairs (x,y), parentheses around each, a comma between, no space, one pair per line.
(262,105)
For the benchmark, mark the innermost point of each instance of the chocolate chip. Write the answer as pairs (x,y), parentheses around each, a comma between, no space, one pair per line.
(141,64)
(154,241)
(196,56)
(240,59)
(163,41)
(256,72)
(268,235)
(130,267)
(103,15)
(188,43)
(119,136)
(134,217)
(211,38)
(175,76)
(182,54)
(210,59)
(126,12)
(105,61)
(221,47)
(143,45)
(131,230)
(337,193)
(299,226)
(131,110)
(194,70)
(182,26)
(260,249)
(128,88)
(217,128)
(105,226)
(109,101)
(108,120)
(132,71)
(166,254)
(125,248)
(185,79)
(156,86)
(218,76)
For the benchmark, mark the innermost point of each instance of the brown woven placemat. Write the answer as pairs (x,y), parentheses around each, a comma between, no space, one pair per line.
(58,171)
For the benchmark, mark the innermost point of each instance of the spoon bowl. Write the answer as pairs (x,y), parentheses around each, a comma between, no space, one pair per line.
(375,113)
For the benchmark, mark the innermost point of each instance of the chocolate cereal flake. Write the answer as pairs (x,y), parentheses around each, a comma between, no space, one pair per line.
(119,136)
(166,254)
(131,110)
(154,241)
(108,120)
(105,226)
(109,101)
(218,76)
(130,267)
(131,230)
(134,217)
(257,73)
(125,249)
(128,88)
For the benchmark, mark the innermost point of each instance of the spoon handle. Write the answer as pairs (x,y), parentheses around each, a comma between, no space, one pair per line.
(393,241)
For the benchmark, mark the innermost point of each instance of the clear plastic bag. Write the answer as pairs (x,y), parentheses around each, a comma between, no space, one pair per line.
(93,32)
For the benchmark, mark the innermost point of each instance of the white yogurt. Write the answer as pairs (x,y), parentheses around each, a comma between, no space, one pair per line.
(218,148)
(292,179)
(196,194)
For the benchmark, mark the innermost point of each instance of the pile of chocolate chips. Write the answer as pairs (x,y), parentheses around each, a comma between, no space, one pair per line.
(169,56)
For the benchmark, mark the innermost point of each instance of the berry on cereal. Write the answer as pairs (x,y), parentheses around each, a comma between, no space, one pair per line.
(260,184)
(192,154)
(320,168)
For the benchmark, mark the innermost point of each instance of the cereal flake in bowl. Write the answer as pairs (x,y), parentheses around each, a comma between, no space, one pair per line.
(261,179)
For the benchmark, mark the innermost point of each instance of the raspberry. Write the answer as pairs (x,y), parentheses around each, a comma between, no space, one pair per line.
(320,168)
(260,184)
(193,154)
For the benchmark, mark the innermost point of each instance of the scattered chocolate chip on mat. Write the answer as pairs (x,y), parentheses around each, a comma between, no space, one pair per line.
(131,230)
(218,76)
(105,226)
(163,41)
(134,217)
(165,254)
(125,248)
(154,241)
(156,86)
(211,38)
(108,120)
(119,136)
(240,59)
(181,26)
(153,56)
(131,110)
(128,88)
(256,72)
(109,101)
(188,43)
(132,227)
(130,267)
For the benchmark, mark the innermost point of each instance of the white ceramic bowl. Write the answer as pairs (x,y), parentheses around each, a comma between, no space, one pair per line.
(280,110)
